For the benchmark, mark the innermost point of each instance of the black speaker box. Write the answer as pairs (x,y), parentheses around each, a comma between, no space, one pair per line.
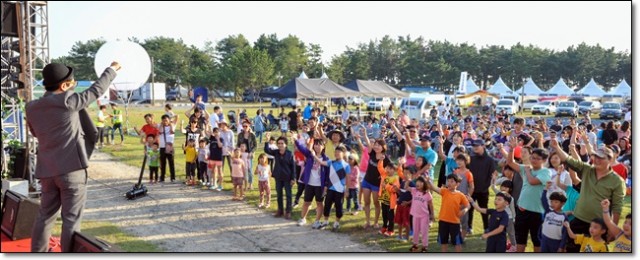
(18,215)
(87,244)
(9,20)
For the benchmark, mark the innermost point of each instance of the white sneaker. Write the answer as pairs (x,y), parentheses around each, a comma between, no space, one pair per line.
(302,222)
(336,225)
(316,225)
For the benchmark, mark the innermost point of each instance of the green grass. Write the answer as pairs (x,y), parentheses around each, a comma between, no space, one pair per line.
(113,235)
(131,153)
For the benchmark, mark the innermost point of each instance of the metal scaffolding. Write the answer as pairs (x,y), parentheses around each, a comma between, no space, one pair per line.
(31,49)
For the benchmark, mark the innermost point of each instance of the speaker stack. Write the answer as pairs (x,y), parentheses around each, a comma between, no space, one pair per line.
(18,215)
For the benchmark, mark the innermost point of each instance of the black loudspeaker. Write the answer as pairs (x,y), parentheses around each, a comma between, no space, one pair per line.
(9,20)
(87,244)
(18,215)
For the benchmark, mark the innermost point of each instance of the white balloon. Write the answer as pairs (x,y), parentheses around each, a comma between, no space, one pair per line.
(135,62)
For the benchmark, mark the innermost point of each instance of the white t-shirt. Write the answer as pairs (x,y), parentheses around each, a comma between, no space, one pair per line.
(214,119)
(314,177)
(263,172)
(169,137)
(284,125)
(627,116)
(564,179)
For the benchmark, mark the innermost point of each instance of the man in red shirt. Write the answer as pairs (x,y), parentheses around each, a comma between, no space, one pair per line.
(151,128)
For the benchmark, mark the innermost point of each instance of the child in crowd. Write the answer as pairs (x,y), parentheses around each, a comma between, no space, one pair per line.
(238,170)
(466,187)
(454,204)
(389,186)
(284,125)
(337,180)
(496,233)
(203,154)
(190,159)
(248,180)
(403,206)
(421,205)
(154,161)
(264,174)
(353,183)
(552,234)
(597,240)
(506,187)
(622,242)
(216,143)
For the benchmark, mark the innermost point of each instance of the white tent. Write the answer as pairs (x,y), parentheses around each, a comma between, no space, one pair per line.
(500,88)
(324,76)
(471,88)
(622,89)
(530,88)
(592,89)
(560,88)
(303,75)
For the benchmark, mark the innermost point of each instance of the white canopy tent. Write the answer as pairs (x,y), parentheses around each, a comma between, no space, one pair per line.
(592,89)
(529,89)
(561,89)
(499,88)
(622,89)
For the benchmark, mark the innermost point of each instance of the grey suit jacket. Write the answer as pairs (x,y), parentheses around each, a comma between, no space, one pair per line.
(64,129)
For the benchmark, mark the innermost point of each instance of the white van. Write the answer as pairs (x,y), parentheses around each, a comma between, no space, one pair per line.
(418,105)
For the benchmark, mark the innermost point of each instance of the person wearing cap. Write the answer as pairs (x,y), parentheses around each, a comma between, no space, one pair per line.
(482,166)
(424,150)
(66,138)
(599,182)
(335,138)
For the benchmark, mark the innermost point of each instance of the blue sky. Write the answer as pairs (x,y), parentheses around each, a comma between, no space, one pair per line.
(335,25)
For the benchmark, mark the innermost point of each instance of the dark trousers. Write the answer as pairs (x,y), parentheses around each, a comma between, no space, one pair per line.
(228,159)
(299,192)
(483,201)
(286,186)
(202,171)
(153,173)
(101,135)
(164,158)
(113,131)
(578,227)
(353,195)
(191,169)
(387,216)
(333,197)
(271,161)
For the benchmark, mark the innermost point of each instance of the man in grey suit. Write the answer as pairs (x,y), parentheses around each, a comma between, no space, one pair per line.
(66,137)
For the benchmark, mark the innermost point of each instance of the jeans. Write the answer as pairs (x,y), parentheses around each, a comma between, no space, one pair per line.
(286,185)
(113,131)
(164,157)
(353,195)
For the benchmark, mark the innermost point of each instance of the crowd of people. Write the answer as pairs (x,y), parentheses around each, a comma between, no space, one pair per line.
(560,185)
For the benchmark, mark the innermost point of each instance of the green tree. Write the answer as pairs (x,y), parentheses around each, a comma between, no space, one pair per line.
(250,69)
(82,57)
(291,57)
(171,60)
(315,67)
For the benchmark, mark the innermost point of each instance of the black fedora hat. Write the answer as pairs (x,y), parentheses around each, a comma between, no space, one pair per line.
(55,73)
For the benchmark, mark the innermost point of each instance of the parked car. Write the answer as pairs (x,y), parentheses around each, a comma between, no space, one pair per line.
(378,103)
(611,110)
(173,96)
(288,102)
(339,101)
(529,103)
(141,102)
(356,101)
(545,108)
(567,108)
(592,106)
(508,105)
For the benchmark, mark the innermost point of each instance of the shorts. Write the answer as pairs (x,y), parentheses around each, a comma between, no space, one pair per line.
(527,223)
(237,181)
(369,186)
(313,191)
(213,163)
(402,215)
(448,230)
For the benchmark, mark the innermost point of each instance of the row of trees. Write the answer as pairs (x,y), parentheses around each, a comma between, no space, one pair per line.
(234,64)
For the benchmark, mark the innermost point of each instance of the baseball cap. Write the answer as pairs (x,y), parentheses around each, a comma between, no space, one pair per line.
(425,138)
(604,153)
(478,142)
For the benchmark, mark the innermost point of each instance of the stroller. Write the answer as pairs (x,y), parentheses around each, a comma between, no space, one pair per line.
(231,116)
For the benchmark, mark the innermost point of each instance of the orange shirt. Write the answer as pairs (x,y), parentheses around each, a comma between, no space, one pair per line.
(452,203)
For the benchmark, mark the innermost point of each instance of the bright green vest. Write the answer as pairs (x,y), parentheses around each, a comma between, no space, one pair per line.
(117,116)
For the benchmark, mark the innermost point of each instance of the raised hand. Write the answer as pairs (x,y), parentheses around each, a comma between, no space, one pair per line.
(115,66)
(605,204)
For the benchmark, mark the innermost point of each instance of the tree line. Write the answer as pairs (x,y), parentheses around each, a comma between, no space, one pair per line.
(235,64)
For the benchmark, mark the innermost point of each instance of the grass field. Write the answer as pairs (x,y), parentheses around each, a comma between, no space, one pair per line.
(131,153)
(113,235)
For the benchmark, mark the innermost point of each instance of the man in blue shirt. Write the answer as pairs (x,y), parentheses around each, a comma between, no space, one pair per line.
(307,112)
(431,157)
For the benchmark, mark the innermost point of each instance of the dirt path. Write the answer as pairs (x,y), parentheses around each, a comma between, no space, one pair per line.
(183,219)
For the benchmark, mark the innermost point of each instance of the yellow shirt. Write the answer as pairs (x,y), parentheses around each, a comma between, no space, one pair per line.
(330,150)
(621,244)
(588,245)
(190,154)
